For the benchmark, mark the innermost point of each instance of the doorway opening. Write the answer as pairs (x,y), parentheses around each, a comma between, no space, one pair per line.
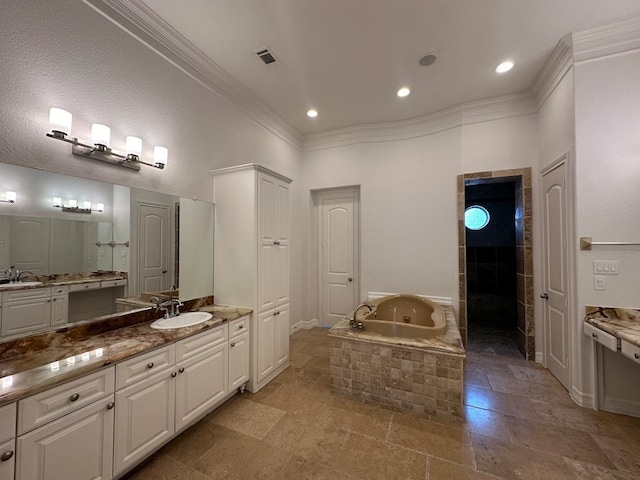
(495,262)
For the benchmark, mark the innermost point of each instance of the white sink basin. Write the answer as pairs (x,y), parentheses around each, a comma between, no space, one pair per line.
(183,320)
(19,285)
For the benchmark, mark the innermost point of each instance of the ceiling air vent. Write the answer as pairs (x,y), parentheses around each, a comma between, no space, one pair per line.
(266,56)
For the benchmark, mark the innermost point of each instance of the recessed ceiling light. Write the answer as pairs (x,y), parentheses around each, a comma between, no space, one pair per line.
(403,92)
(312,113)
(504,67)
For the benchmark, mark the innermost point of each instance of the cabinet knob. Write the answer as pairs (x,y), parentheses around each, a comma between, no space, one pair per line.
(594,335)
(49,301)
(275,313)
(637,357)
(350,279)
(7,456)
(233,344)
(181,370)
(241,326)
(150,365)
(74,397)
(110,405)
(173,374)
(544,295)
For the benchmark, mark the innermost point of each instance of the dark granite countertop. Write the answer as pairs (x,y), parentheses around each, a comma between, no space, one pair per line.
(623,323)
(63,279)
(33,364)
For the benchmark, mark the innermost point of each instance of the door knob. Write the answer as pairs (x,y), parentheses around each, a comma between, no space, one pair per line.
(544,295)
(349,279)
(164,271)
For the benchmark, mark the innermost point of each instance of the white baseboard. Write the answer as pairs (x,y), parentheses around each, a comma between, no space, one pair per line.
(441,300)
(624,407)
(306,324)
(540,358)
(587,400)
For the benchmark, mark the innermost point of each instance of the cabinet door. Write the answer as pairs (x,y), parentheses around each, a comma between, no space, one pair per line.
(25,316)
(282,335)
(282,212)
(59,309)
(266,343)
(145,415)
(78,446)
(267,277)
(281,275)
(202,382)
(267,208)
(238,361)
(7,460)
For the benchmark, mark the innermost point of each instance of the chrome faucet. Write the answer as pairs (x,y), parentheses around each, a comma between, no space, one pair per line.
(353,322)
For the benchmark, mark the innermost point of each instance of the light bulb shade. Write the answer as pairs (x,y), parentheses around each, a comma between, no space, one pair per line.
(100,134)
(73,203)
(87,205)
(59,121)
(134,146)
(160,155)
(99,207)
(57,202)
(10,196)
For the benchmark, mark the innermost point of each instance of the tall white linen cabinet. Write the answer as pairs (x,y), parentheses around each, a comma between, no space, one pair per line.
(251,265)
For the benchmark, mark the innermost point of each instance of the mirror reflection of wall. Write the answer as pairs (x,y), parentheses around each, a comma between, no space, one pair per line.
(196,248)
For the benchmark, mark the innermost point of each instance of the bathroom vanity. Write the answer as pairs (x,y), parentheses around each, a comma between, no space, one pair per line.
(615,334)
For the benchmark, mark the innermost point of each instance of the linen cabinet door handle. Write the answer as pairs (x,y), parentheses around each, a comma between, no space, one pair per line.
(181,370)
(7,456)
(74,397)
(637,357)
(110,405)
(233,344)
(173,374)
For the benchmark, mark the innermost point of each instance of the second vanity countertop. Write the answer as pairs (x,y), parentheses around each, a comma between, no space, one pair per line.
(622,323)
(78,351)
(64,279)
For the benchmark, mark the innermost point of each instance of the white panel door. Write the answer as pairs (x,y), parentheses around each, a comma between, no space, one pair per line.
(556,274)
(282,335)
(153,247)
(281,277)
(238,361)
(30,238)
(337,251)
(267,276)
(266,344)
(78,446)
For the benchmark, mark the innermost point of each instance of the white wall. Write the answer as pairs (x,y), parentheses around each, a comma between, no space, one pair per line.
(607,179)
(408,194)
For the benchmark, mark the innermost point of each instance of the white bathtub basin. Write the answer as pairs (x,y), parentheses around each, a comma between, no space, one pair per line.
(183,320)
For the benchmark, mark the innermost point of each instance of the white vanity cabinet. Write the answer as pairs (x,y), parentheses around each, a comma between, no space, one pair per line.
(7,441)
(239,353)
(67,431)
(252,223)
(30,310)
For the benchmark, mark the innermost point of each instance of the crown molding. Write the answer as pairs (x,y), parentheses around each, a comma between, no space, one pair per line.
(137,19)
(606,40)
(554,70)
(465,114)
(253,167)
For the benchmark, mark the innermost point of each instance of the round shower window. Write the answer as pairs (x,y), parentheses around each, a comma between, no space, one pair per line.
(476,217)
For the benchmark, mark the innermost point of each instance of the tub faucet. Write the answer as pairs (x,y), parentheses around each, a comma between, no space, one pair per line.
(353,322)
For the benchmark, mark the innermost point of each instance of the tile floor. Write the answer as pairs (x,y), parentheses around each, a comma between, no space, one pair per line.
(520,423)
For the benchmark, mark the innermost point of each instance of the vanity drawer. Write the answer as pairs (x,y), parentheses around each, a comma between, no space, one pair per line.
(238,327)
(7,422)
(143,366)
(46,406)
(631,351)
(114,283)
(60,290)
(80,287)
(192,346)
(603,338)
(28,294)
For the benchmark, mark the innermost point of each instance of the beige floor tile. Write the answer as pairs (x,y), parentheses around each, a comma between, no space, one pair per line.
(534,375)
(557,440)
(239,457)
(302,469)
(431,438)
(511,461)
(299,399)
(298,359)
(623,453)
(310,438)
(476,378)
(264,392)
(371,459)
(443,470)
(194,442)
(499,402)
(352,415)
(531,390)
(166,468)
(587,471)
(486,422)
(246,416)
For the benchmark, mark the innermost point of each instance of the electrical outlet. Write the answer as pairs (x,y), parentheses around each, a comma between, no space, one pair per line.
(606,267)
(599,282)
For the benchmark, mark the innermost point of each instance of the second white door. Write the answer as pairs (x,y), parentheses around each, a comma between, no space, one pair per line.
(338,254)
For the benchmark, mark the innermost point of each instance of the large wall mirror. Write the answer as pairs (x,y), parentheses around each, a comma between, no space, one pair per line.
(159,240)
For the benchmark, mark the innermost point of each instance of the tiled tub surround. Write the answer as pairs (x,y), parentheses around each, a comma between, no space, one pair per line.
(33,364)
(623,323)
(423,375)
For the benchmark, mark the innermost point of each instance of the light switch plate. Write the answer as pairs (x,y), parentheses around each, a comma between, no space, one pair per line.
(599,282)
(606,267)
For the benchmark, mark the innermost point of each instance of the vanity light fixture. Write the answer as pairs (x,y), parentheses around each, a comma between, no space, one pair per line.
(60,125)
(9,197)
(72,206)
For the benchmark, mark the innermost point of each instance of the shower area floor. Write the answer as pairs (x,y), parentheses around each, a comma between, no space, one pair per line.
(493,340)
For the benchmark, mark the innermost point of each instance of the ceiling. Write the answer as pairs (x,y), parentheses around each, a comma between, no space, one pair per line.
(348,58)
